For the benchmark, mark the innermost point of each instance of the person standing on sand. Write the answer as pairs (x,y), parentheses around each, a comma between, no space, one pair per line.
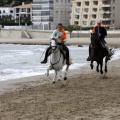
(60,35)
(101,32)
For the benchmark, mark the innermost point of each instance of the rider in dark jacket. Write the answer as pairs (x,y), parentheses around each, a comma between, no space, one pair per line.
(101,31)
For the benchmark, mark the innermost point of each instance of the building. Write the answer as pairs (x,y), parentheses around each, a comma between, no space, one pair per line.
(6,11)
(23,12)
(85,13)
(46,14)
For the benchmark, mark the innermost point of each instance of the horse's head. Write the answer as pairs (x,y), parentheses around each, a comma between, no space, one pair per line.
(53,44)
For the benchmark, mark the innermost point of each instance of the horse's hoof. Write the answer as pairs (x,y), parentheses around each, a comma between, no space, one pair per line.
(47,74)
(65,78)
(53,82)
(106,70)
(98,71)
(101,72)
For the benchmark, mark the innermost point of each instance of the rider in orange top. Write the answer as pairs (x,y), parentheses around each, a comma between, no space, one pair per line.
(101,31)
(60,35)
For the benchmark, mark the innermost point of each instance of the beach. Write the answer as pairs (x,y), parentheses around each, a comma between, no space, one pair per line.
(86,95)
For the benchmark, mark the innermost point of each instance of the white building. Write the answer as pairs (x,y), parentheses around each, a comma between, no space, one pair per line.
(23,11)
(85,13)
(46,14)
(4,11)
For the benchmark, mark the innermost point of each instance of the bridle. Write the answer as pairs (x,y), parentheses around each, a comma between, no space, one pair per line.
(55,49)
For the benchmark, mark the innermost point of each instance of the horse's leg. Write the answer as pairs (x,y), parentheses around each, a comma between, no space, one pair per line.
(91,64)
(66,71)
(106,60)
(97,68)
(55,76)
(59,75)
(47,74)
(101,66)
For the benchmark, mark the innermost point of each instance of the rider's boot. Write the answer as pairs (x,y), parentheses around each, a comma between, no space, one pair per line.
(89,57)
(67,62)
(109,52)
(45,59)
(67,58)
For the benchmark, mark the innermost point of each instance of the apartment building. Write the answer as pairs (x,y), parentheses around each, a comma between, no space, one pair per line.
(86,13)
(23,11)
(4,11)
(46,14)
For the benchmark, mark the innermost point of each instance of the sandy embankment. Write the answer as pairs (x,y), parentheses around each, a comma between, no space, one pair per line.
(84,96)
(70,41)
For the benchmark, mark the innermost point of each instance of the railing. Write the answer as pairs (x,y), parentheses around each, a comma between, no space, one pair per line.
(43,2)
(43,8)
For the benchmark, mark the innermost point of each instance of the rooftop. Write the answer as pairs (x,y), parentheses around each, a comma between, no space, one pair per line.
(24,6)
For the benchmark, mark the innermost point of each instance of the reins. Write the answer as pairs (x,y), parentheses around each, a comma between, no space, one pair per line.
(56,62)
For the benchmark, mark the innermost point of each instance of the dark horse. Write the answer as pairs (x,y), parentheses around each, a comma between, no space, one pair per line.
(98,53)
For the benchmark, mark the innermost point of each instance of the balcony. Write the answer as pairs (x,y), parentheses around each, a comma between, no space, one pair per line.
(78,4)
(85,16)
(94,9)
(107,2)
(86,10)
(107,9)
(77,17)
(94,16)
(77,10)
(95,3)
(86,3)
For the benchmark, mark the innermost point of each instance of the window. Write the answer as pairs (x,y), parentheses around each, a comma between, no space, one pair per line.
(87,3)
(24,10)
(11,11)
(56,0)
(76,22)
(78,3)
(3,11)
(77,16)
(0,11)
(85,22)
(69,1)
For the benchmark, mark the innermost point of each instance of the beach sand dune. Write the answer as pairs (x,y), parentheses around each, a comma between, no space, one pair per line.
(84,96)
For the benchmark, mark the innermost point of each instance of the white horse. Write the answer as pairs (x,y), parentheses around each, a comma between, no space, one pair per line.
(57,61)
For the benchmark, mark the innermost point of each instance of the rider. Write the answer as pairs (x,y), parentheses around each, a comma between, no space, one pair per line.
(101,31)
(60,34)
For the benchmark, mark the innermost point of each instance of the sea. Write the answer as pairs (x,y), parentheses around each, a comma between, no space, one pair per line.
(18,61)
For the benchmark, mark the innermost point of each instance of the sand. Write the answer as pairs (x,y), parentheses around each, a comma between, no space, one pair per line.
(86,95)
